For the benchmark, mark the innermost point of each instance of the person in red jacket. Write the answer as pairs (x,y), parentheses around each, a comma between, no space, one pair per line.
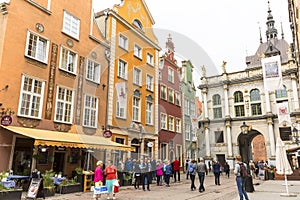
(176,169)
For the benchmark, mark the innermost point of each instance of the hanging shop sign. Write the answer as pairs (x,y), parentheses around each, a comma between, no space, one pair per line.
(107,133)
(6,120)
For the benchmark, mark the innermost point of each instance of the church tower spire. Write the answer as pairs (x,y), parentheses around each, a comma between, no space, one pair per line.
(271,30)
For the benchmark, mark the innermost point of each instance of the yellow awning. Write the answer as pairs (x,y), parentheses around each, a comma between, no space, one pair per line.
(76,140)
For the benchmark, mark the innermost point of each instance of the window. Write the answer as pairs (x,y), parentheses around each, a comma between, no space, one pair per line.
(164,148)
(136,109)
(121,111)
(123,42)
(68,60)
(37,47)
(170,95)
(163,121)
(93,71)
(31,97)
(71,25)
(149,82)
(281,95)
(171,75)
(187,131)
(171,123)
(90,115)
(137,76)
(219,137)
(149,59)
(122,69)
(138,24)
(64,102)
(149,111)
(138,51)
(255,102)
(285,133)
(163,92)
(186,107)
(217,107)
(192,109)
(177,99)
(239,107)
(178,125)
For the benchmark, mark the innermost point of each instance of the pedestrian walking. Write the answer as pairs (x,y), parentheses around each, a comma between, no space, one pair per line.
(240,181)
(98,178)
(137,174)
(111,177)
(227,169)
(145,168)
(159,173)
(192,172)
(202,171)
(187,164)
(168,173)
(216,170)
(176,169)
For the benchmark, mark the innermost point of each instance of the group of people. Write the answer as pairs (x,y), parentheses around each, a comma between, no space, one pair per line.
(111,176)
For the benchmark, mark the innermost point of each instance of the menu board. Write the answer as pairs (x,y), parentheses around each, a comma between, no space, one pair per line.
(33,188)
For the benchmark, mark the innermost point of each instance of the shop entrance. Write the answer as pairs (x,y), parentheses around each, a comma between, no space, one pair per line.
(59,162)
(22,156)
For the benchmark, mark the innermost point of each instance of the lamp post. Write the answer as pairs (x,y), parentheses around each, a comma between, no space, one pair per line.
(295,134)
(249,182)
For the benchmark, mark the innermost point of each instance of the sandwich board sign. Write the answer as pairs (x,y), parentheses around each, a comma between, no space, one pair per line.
(33,188)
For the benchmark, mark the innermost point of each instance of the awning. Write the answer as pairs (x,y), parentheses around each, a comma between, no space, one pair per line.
(75,140)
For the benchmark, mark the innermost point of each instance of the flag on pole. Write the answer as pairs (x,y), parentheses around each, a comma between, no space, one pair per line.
(272,75)
(121,94)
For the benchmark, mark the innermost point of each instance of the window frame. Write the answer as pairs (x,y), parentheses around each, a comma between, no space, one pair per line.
(91,109)
(123,73)
(163,90)
(178,125)
(177,98)
(119,111)
(217,106)
(171,123)
(170,75)
(95,72)
(163,121)
(139,71)
(255,102)
(75,60)
(239,105)
(71,104)
(187,128)
(123,42)
(45,48)
(32,95)
(219,137)
(138,51)
(150,59)
(136,109)
(65,29)
(149,111)
(149,86)
(171,96)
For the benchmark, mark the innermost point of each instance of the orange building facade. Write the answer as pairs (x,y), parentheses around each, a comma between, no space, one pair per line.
(54,84)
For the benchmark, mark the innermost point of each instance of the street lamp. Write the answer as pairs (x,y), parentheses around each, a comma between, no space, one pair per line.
(295,134)
(248,182)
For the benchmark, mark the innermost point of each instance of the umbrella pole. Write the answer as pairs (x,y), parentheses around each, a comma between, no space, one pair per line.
(286,184)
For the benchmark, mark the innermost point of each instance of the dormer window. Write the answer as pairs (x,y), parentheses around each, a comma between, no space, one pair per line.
(138,24)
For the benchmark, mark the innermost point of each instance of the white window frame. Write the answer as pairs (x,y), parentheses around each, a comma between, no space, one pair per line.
(149,82)
(121,112)
(171,122)
(40,47)
(64,103)
(123,42)
(186,106)
(149,111)
(69,55)
(171,94)
(178,125)
(150,59)
(138,51)
(187,128)
(34,100)
(177,99)
(93,71)
(171,75)
(163,121)
(192,109)
(71,25)
(90,111)
(122,69)
(136,109)
(163,88)
(137,76)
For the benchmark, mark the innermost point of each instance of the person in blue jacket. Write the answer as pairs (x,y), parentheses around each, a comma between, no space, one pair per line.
(216,170)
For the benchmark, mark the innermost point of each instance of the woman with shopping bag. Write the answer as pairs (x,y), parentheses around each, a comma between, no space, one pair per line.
(98,179)
(111,178)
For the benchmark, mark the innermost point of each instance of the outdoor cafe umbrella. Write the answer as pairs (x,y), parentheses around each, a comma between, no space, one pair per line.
(283,166)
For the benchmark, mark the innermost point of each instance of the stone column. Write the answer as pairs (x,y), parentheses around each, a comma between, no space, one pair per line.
(268,105)
(226,100)
(271,136)
(295,92)
(229,139)
(207,143)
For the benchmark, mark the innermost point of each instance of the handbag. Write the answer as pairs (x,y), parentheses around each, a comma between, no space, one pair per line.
(100,189)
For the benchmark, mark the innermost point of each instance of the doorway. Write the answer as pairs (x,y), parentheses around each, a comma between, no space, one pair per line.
(59,162)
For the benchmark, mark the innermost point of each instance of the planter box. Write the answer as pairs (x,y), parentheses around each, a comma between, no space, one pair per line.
(49,191)
(11,194)
(66,189)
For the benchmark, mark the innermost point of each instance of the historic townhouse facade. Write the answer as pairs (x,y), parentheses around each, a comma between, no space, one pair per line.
(53,79)
(170,106)
(189,117)
(231,99)
(133,77)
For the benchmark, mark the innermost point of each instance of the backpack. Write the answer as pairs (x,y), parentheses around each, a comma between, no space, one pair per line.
(191,169)
(243,170)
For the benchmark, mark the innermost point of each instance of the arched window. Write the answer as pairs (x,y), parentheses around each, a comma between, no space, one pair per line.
(255,102)
(239,106)
(217,106)
(138,24)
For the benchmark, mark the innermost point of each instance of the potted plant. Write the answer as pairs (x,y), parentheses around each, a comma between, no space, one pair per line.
(48,183)
(68,186)
(79,177)
(8,191)
(271,172)
(127,179)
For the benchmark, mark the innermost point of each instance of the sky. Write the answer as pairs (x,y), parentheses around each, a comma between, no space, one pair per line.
(210,32)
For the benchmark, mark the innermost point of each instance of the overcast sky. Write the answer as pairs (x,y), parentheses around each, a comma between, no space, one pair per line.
(208,32)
